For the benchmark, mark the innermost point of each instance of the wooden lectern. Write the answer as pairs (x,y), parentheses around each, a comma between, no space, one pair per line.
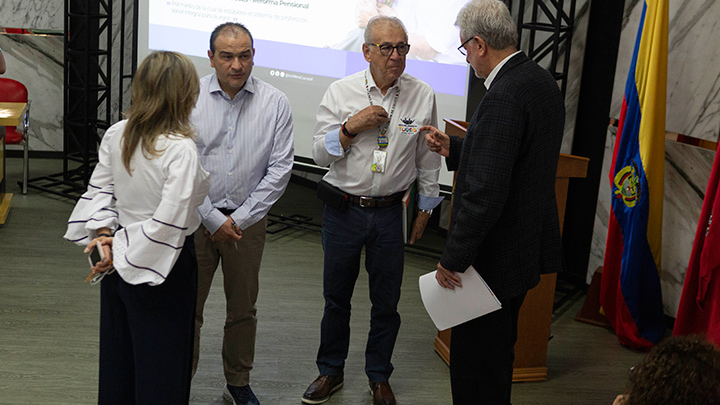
(536,312)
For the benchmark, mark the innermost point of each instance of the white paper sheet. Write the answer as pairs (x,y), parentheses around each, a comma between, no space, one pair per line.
(448,308)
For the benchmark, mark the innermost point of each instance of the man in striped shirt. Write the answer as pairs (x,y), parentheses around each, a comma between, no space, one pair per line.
(245,140)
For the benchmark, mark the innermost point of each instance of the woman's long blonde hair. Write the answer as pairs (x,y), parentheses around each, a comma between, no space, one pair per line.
(163,93)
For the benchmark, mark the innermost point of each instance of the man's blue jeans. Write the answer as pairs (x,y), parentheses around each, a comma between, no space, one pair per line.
(344,235)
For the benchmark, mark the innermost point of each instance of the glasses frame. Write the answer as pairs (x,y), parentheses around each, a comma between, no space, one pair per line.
(462,49)
(392,49)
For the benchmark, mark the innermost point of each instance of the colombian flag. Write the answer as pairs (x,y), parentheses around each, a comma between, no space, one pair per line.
(630,291)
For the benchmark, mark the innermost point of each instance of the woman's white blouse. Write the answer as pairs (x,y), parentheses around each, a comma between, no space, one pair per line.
(156,206)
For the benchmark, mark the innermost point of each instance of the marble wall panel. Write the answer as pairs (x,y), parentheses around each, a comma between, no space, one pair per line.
(36,61)
(577,56)
(602,210)
(32,14)
(687,170)
(693,94)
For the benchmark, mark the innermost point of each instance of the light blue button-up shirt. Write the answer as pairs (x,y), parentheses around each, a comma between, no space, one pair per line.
(247,146)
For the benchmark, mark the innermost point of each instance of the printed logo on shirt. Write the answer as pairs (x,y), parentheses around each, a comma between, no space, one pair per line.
(407,126)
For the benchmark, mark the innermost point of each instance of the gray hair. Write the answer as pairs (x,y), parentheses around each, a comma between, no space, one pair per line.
(491,21)
(382,20)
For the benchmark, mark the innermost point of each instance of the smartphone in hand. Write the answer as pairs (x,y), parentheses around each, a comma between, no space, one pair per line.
(96,255)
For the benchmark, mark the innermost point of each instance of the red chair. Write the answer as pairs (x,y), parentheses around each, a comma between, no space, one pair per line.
(12,91)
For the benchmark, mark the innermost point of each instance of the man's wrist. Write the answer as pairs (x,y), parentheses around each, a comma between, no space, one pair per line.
(214,221)
(429,212)
(345,131)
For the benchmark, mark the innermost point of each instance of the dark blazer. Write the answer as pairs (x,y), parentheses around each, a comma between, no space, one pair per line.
(504,214)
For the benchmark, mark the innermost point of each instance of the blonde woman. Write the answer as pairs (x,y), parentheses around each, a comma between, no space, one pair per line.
(141,205)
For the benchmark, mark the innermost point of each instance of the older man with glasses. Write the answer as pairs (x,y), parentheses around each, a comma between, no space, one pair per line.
(367,131)
(504,214)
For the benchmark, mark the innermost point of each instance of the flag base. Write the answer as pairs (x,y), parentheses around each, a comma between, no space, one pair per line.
(590,311)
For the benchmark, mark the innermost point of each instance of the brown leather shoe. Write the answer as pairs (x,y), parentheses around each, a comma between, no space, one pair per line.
(320,390)
(382,393)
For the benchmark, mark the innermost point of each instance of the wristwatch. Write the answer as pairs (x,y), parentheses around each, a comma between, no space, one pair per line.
(429,212)
(346,132)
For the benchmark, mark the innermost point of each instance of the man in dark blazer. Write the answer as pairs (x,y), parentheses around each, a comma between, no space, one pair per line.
(504,215)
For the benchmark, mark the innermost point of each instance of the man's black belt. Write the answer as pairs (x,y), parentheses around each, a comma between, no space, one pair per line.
(338,199)
(226,211)
(376,202)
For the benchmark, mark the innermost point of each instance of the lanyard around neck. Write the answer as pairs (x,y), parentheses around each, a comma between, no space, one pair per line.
(382,139)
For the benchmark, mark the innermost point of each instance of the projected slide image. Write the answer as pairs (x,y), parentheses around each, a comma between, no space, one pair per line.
(318,37)
(300,22)
(431,29)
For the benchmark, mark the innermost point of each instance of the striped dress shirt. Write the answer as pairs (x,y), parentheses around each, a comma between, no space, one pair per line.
(247,146)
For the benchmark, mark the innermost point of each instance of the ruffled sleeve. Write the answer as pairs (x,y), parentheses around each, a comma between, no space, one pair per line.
(146,251)
(96,207)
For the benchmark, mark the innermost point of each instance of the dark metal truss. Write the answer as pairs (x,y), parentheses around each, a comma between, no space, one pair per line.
(89,102)
(87,89)
(547,34)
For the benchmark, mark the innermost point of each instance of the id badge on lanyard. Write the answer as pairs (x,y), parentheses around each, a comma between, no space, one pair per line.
(378,161)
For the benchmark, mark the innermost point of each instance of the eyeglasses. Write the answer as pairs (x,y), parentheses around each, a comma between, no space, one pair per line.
(462,49)
(387,50)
